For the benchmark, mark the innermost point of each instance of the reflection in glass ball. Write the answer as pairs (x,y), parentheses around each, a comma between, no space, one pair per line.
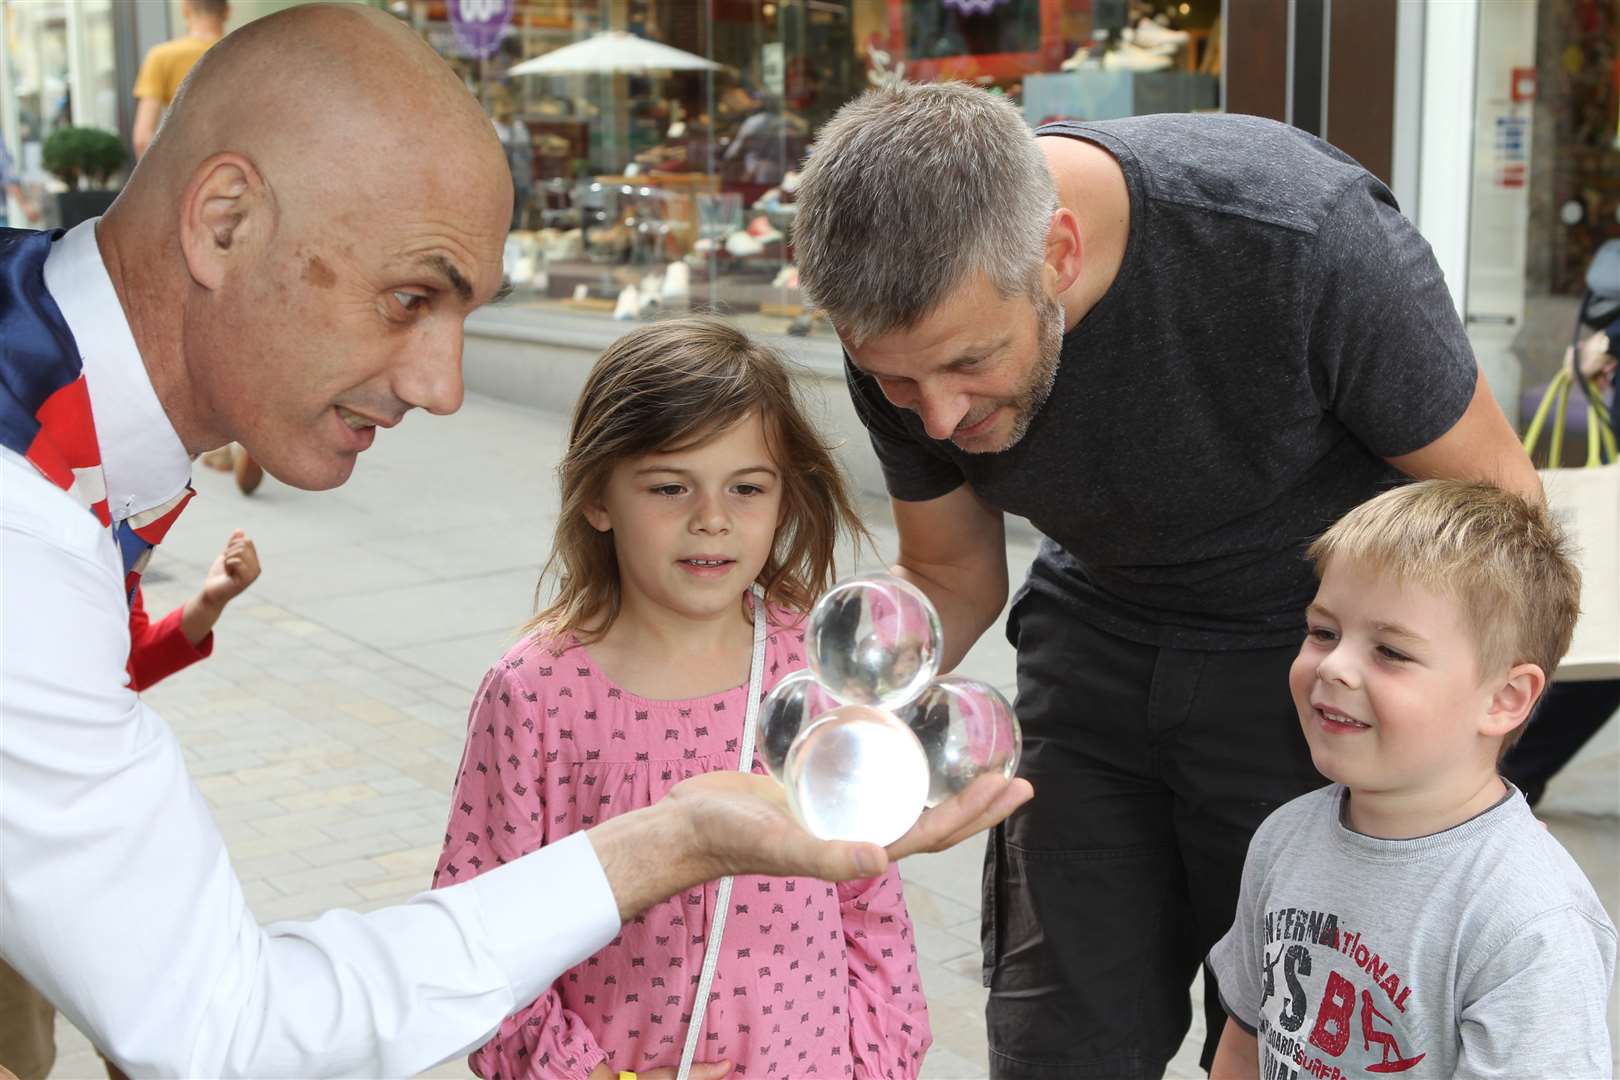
(789,708)
(966,728)
(874,640)
(857,773)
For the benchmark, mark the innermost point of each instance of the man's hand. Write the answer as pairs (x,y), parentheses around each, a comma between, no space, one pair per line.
(736,823)
(1597,363)
(233,571)
(746,823)
(740,824)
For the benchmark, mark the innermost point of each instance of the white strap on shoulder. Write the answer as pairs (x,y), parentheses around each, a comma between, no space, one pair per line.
(722,900)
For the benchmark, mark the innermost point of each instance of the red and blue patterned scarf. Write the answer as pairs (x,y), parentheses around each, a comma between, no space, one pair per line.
(45,407)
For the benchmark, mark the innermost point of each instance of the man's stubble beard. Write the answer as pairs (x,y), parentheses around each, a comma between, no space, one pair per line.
(1049,327)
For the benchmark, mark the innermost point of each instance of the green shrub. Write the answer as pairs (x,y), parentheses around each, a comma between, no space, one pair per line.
(74,152)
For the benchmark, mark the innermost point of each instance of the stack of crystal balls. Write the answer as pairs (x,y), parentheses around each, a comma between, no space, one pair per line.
(868,736)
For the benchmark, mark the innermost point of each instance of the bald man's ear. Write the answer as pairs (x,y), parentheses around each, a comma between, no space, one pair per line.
(226,210)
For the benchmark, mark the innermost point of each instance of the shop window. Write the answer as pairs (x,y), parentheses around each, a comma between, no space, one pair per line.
(649,185)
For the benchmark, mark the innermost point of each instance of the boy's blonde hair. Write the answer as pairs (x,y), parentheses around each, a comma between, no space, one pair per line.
(1498,555)
(674,385)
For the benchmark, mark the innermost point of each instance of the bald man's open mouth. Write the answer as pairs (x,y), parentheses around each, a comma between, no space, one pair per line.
(361,430)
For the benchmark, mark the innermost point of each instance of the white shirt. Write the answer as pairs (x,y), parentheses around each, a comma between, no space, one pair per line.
(117,897)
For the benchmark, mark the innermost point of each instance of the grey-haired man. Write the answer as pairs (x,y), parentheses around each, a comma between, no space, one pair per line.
(1181,346)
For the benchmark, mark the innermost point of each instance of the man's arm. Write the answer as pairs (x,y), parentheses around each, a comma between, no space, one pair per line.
(148,111)
(1481,445)
(954,548)
(1237,1057)
(952,543)
(121,905)
(119,902)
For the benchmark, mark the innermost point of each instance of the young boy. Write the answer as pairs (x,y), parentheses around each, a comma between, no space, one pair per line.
(1413,917)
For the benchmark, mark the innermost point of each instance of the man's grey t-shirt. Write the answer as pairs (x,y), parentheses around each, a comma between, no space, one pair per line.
(1275,331)
(1478,951)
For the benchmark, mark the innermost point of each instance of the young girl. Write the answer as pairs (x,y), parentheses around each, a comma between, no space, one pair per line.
(691,477)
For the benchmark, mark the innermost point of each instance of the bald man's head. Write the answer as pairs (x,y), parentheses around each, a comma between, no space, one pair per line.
(299,247)
(320,78)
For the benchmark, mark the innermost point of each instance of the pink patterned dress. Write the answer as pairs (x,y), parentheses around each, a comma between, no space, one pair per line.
(814,980)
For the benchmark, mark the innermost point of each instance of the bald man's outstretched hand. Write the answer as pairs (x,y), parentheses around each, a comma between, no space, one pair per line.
(737,823)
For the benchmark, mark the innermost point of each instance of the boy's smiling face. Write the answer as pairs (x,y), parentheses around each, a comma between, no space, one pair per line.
(1389,688)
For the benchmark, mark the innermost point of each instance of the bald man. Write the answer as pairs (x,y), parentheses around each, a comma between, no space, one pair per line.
(292,280)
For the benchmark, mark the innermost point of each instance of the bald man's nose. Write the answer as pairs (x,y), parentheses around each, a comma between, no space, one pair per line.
(429,375)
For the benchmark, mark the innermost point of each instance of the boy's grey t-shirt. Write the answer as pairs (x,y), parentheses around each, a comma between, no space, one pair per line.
(1478,951)
(1276,329)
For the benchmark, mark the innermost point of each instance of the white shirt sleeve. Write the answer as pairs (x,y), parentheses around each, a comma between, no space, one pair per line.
(117,896)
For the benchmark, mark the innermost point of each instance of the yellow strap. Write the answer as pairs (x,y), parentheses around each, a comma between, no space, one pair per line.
(1532,434)
(1554,403)
(626,1075)
(1605,426)
(1555,452)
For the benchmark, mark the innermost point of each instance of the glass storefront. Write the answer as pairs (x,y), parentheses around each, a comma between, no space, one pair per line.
(38,85)
(1544,193)
(656,145)
(58,66)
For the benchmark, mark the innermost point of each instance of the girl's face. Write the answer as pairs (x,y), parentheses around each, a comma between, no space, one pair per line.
(693,528)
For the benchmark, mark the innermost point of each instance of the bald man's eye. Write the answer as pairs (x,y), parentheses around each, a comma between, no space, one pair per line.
(411,302)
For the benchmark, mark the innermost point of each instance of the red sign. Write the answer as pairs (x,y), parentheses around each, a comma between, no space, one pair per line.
(1524,84)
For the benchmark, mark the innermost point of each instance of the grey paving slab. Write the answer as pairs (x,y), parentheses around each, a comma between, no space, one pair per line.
(946,873)
(461,662)
(439,552)
(942,1064)
(305,574)
(438,611)
(269,519)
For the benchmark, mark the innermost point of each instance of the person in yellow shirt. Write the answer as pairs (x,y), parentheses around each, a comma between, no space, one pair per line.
(161,74)
(166,65)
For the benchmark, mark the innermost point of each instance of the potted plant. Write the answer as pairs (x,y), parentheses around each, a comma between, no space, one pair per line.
(83,156)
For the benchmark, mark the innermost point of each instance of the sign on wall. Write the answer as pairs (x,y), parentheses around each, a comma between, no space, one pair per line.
(479,25)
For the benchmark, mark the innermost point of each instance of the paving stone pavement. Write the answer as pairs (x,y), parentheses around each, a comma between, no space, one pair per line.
(326,729)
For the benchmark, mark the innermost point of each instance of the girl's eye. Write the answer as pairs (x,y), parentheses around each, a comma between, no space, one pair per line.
(750,489)
(408,300)
(1322,635)
(668,489)
(1390,654)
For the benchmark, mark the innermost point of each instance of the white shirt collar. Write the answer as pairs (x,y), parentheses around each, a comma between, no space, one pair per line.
(142,458)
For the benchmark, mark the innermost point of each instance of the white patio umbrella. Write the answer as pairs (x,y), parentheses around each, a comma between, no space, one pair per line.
(613,52)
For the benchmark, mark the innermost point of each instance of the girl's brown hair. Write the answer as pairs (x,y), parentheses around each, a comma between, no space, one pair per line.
(672,386)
